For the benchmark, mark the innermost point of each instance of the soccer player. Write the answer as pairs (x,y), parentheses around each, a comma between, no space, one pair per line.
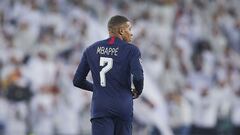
(114,64)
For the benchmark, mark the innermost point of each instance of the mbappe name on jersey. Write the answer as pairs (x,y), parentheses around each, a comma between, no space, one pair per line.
(107,50)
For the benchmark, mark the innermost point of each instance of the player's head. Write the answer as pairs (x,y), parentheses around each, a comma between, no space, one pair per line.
(120,26)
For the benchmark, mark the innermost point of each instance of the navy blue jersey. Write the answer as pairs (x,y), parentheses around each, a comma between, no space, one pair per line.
(111,62)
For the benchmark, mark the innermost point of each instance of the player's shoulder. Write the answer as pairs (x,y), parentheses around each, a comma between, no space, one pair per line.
(133,47)
(128,45)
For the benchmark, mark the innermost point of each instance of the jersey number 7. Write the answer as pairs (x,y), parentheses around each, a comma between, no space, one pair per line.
(109,63)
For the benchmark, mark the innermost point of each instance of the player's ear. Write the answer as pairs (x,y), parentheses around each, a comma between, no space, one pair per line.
(121,31)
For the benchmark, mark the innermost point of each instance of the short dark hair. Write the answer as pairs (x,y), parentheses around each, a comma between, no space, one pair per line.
(116,20)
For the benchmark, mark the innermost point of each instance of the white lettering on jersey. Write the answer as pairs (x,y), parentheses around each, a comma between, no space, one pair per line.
(107,50)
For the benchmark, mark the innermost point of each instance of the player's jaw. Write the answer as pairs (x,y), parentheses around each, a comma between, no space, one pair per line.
(128,36)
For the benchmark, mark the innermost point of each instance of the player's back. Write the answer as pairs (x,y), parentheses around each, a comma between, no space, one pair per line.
(109,62)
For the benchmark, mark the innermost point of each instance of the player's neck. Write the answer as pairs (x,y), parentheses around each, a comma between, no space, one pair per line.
(115,35)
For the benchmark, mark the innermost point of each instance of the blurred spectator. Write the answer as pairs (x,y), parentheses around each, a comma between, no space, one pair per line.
(235,113)
(41,71)
(42,107)
(205,113)
(16,118)
(180,114)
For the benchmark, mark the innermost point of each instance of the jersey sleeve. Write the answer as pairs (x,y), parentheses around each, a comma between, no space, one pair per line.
(137,70)
(79,79)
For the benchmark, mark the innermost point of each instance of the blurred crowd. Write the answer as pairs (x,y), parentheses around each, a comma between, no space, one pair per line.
(190,51)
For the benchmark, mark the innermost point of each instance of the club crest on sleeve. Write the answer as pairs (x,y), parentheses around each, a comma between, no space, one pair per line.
(140,60)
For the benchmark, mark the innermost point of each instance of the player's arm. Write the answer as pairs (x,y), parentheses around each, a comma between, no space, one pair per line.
(79,79)
(137,72)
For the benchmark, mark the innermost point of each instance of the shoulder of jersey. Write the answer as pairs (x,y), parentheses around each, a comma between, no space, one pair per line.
(128,44)
(132,46)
